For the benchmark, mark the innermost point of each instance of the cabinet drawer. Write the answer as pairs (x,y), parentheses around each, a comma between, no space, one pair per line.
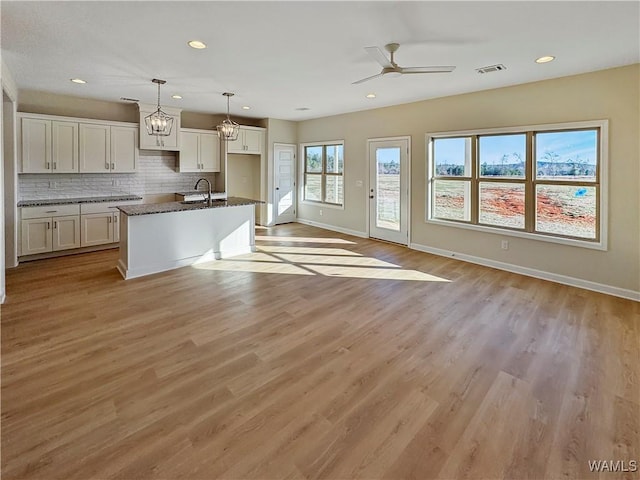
(50,211)
(104,207)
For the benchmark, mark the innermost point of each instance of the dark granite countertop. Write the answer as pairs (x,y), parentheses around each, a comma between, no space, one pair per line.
(68,201)
(152,208)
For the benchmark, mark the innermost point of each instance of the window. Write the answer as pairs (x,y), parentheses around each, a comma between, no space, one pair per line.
(542,182)
(323,173)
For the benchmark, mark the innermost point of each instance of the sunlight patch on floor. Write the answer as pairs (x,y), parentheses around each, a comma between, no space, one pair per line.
(374,273)
(269,238)
(310,250)
(299,258)
(234,265)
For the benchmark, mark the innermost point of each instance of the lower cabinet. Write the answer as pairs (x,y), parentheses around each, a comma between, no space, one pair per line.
(60,230)
(98,229)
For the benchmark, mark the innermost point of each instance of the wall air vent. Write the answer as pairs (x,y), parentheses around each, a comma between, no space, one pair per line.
(491,68)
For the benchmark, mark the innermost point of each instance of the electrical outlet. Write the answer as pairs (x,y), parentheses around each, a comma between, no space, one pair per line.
(504,245)
(320,212)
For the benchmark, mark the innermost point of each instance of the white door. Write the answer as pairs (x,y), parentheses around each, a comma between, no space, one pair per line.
(389,189)
(209,152)
(284,177)
(66,232)
(189,157)
(97,229)
(36,145)
(36,236)
(124,149)
(95,148)
(64,147)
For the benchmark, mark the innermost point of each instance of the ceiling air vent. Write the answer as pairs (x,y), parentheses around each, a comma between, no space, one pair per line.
(491,68)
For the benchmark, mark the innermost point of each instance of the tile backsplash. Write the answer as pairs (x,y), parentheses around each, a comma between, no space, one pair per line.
(156,175)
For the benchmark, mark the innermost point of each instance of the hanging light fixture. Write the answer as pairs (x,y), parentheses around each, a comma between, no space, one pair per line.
(228,129)
(158,123)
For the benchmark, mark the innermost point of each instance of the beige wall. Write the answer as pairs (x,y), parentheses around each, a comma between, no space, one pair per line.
(243,177)
(610,94)
(278,131)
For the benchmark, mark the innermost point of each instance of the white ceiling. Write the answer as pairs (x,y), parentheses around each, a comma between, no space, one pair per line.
(280,56)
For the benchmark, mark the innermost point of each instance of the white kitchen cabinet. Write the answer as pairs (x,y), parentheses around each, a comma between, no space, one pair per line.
(49,229)
(108,149)
(49,146)
(156,142)
(101,222)
(250,141)
(97,229)
(95,148)
(124,149)
(199,151)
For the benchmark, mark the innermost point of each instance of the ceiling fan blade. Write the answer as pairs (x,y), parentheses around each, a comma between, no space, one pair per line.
(368,78)
(444,69)
(379,56)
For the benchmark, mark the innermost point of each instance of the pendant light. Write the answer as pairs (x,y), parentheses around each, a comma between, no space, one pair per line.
(228,129)
(158,123)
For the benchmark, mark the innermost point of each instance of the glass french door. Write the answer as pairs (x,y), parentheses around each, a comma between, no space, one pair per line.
(389,189)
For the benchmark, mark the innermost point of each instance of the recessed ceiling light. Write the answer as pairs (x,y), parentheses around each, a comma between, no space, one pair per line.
(197,44)
(545,59)
(246,107)
(78,80)
(177,97)
(371,95)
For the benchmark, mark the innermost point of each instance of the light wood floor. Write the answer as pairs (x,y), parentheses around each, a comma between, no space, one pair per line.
(321,356)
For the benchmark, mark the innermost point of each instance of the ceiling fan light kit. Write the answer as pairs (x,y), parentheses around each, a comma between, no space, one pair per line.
(391,68)
(158,123)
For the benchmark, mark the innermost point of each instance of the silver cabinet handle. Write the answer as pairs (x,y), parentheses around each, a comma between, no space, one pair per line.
(55,224)
(48,225)
(54,165)
(106,165)
(113,166)
(115,219)
(51,211)
(48,165)
(108,219)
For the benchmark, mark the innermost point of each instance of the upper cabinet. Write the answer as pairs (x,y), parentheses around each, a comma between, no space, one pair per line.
(156,142)
(108,149)
(250,140)
(66,145)
(199,151)
(49,146)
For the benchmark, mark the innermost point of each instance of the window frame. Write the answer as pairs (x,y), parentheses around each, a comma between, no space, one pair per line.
(530,181)
(323,174)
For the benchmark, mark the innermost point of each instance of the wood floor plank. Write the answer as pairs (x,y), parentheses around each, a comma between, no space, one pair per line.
(321,355)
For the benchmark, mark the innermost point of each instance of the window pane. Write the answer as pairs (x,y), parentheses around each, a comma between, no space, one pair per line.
(313,187)
(503,155)
(566,210)
(335,158)
(388,188)
(502,204)
(452,199)
(452,157)
(570,155)
(313,159)
(333,189)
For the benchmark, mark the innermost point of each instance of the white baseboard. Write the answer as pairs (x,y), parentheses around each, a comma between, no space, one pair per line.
(532,272)
(3,297)
(333,228)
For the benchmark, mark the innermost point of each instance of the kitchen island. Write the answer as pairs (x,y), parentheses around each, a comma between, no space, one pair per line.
(163,236)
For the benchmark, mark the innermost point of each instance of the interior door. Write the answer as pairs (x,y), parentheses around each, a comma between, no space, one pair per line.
(389,189)
(284,176)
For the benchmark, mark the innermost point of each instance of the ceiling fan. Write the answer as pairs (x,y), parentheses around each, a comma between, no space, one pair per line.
(390,67)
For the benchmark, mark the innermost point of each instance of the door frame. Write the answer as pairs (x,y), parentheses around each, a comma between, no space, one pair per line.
(274,179)
(367,190)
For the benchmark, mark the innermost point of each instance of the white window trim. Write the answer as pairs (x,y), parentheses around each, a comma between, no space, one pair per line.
(603,125)
(301,169)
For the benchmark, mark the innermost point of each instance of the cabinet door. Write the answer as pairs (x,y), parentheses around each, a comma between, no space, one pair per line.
(189,148)
(253,140)
(36,236)
(95,148)
(64,154)
(36,145)
(236,146)
(66,232)
(97,229)
(124,149)
(209,152)
(116,226)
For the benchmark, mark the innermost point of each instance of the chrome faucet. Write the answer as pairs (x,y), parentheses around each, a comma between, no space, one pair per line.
(209,193)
